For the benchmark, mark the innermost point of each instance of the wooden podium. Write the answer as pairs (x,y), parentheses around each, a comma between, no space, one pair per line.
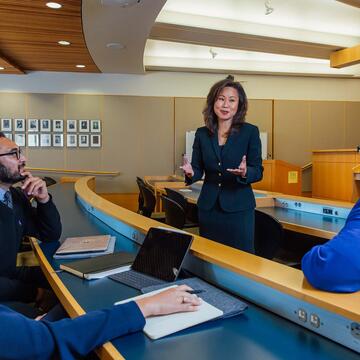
(280,176)
(336,174)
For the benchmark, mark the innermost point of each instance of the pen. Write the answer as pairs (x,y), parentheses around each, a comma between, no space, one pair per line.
(199,291)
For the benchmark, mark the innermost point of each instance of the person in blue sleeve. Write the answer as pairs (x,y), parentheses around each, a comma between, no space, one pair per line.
(228,151)
(24,338)
(335,266)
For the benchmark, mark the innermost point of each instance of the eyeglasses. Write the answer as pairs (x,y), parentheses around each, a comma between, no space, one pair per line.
(17,152)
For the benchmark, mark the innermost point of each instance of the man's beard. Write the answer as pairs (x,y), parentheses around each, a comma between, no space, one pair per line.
(7,178)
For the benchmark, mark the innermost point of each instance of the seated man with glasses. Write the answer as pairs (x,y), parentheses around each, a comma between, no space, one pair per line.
(18,218)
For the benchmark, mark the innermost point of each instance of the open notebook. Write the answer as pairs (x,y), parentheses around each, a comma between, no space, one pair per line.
(159,326)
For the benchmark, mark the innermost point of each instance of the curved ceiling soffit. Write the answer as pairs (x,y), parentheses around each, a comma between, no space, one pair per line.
(128,26)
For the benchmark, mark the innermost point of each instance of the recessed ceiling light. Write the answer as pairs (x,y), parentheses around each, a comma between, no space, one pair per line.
(115,45)
(53,5)
(2,68)
(64,42)
(122,3)
(80,66)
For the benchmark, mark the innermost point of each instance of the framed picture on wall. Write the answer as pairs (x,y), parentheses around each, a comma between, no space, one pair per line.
(45,125)
(6,125)
(45,140)
(95,126)
(33,126)
(58,125)
(95,140)
(33,140)
(20,140)
(9,136)
(84,125)
(71,125)
(71,140)
(84,140)
(19,124)
(58,140)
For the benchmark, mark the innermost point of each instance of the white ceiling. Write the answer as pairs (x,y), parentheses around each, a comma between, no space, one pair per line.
(223,36)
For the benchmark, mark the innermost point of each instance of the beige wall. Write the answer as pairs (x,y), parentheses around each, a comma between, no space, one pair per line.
(146,135)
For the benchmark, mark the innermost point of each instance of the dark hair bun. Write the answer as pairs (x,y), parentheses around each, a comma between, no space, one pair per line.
(230,77)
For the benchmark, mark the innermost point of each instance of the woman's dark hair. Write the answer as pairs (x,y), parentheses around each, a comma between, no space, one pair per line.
(210,117)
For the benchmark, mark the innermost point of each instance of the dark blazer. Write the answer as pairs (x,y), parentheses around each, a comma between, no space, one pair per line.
(234,192)
(42,222)
(70,339)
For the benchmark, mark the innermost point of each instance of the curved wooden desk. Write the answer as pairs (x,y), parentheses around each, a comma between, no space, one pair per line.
(295,220)
(256,334)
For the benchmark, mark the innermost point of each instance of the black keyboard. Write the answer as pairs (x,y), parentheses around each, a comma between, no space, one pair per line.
(135,279)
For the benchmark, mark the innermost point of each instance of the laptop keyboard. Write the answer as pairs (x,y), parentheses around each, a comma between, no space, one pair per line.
(135,279)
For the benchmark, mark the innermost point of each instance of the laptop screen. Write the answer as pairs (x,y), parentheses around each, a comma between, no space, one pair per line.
(162,253)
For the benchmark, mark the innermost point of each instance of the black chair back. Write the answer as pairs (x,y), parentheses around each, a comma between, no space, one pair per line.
(269,235)
(140,182)
(190,209)
(174,213)
(49,180)
(149,200)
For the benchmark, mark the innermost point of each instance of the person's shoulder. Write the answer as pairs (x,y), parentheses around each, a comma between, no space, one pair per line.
(250,127)
(202,131)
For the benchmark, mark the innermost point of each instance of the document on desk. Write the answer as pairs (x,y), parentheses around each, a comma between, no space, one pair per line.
(157,327)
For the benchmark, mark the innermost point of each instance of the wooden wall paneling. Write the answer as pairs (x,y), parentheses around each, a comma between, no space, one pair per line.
(327,125)
(13,105)
(352,124)
(292,131)
(260,114)
(138,139)
(188,116)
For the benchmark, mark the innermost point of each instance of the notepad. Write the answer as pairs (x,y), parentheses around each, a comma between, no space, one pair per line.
(157,327)
(81,244)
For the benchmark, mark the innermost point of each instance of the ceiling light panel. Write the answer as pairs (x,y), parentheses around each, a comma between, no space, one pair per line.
(53,5)
(320,15)
(162,54)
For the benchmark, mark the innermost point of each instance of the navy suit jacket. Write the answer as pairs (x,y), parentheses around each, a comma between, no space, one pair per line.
(234,192)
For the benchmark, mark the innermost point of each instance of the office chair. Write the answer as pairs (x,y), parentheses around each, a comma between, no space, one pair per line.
(175,214)
(140,182)
(49,181)
(269,239)
(190,209)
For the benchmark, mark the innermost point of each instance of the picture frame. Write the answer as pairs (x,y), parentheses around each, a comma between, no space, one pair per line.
(45,125)
(95,140)
(71,126)
(71,140)
(9,136)
(6,124)
(83,126)
(58,125)
(58,140)
(20,140)
(33,140)
(45,140)
(83,140)
(19,124)
(95,126)
(33,125)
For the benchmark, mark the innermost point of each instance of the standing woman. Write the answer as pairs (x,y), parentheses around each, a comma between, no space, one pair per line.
(228,150)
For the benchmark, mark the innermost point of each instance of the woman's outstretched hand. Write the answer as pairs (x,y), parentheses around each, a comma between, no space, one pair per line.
(241,170)
(187,168)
